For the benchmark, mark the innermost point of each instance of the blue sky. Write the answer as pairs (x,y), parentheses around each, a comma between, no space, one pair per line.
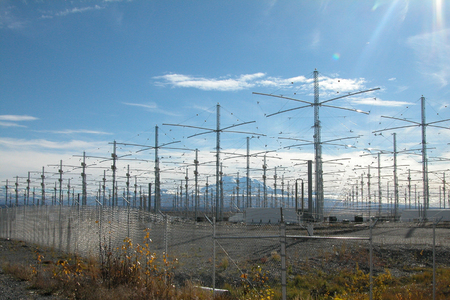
(77,75)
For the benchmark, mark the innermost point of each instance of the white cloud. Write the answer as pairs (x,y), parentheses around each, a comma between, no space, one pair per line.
(16,118)
(19,144)
(78,10)
(71,131)
(379,102)
(11,119)
(433,55)
(10,124)
(207,84)
(153,107)
(247,81)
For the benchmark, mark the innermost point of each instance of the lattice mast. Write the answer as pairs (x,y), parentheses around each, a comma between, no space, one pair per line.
(426,191)
(317,134)
(157,174)
(318,150)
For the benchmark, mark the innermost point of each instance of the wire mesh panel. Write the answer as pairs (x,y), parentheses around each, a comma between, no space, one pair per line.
(248,257)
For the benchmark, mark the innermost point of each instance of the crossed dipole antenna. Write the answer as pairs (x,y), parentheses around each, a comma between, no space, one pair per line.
(423,124)
(317,131)
(218,130)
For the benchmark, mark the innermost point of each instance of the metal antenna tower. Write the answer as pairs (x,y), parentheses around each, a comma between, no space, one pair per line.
(317,133)
(423,125)
(218,130)
(157,203)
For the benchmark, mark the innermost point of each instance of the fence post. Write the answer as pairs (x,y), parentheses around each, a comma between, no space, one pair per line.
(434,260)
(434,256)
(214,258)
(371,264)
(283,255)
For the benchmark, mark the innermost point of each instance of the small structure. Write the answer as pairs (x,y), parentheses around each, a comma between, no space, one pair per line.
(254,215)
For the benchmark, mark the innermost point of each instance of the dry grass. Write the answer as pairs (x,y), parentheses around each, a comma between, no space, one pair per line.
(134,272)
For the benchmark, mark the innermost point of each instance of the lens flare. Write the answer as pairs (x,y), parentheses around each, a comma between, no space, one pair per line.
(336,56)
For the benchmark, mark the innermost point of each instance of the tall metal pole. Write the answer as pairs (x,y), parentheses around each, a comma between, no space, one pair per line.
(395,179)
(409,187)
(196,183)
(113,167)
(379,185)
(60,182)
(274,203)
(443,188)
(157,175)
(249,199)
(368,190)
(135,191)
(17,190)
(68,193)
(186,186)
(318,150)
(264,182)
(83,178)
(28,189)
(128,185)
(217,206)
(238,203)
(6,192)
(42,187)
(221,191)
(103,188)
(426,193)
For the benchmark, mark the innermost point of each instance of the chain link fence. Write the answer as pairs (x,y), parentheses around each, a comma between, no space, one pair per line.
(223,254)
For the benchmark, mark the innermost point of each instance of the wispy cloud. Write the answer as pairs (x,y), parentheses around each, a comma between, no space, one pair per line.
(46,144)
(153,107)
(17,118)
(10,120)
(10,124)
(72,131)
(433,55)
(77,10)
(379,102)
